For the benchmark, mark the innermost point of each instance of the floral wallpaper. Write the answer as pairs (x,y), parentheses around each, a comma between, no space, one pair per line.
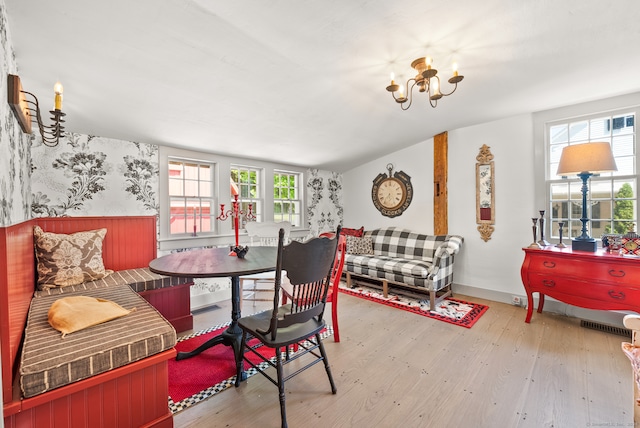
(15,161)
(86,175)
(324,204)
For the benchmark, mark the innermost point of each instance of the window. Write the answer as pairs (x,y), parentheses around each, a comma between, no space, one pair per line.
(247,184)
(612,197)
(287,198)
(190,197)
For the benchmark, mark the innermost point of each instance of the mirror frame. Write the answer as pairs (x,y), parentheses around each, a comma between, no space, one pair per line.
(485,192)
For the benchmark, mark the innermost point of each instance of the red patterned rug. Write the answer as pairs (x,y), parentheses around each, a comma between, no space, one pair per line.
(208,373)
(453,311)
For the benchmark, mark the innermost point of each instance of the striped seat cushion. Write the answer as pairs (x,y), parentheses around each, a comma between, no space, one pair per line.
(48,361)
(140,279)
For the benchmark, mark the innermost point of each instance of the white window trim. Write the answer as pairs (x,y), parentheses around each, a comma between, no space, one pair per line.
(224,233)
(629,102)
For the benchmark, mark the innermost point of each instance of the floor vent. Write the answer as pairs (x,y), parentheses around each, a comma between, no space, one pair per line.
(620,331)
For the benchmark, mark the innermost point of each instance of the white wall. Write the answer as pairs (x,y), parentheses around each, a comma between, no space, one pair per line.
(417,162)
(492,266)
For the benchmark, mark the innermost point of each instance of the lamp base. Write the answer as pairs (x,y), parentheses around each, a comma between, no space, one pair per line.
(590,245)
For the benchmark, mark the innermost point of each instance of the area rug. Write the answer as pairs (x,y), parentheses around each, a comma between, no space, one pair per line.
(210,372)
(453,311)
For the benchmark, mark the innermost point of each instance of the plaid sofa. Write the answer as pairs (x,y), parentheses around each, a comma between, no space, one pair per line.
(423,262)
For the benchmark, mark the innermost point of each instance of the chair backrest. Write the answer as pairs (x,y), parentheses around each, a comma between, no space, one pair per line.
(308,266)
(265,233)
(338,262)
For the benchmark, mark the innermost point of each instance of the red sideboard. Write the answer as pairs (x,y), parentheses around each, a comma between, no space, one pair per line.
(590,280)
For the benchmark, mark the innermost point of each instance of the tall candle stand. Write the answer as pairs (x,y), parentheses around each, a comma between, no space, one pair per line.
(534,244)
(235,213)
(560,226)
(543,242)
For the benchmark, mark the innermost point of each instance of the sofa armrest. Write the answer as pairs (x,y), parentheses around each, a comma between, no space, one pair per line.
(445,251)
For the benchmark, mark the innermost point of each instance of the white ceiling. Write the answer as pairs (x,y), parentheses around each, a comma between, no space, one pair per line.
(304,82)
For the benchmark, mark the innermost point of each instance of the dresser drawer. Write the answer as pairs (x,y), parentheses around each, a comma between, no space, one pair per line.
(602,292)
(625,272)
(550,265)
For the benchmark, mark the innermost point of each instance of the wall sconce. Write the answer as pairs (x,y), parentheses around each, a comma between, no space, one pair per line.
(27,111)
(584,160)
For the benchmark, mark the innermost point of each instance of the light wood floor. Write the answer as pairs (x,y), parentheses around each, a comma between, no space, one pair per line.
(397,369)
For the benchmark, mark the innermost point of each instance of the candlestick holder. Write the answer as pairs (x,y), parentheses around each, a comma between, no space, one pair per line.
(543,242)
(560,226)
(235,213)
(534,244)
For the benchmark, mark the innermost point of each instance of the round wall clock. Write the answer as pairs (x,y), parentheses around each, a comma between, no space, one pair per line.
(392,193)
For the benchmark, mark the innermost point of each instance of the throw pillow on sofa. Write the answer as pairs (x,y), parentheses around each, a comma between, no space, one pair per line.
(353,232)
(356,245)
(63,260)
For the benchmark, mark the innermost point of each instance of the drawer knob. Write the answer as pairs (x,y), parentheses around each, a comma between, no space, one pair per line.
(618,295)
(548,282)
(549,265)
(616,273)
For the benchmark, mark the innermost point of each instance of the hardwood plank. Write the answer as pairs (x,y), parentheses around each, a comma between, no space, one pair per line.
(395,368)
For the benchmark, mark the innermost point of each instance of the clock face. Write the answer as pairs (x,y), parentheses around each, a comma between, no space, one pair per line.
(391,193)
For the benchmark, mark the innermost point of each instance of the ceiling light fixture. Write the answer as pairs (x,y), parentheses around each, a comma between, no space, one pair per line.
(427,81)
(25,113)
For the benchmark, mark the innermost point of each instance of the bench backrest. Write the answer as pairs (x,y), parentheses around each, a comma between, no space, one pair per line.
(395,242)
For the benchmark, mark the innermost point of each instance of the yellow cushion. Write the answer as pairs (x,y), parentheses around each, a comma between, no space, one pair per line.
(74,313)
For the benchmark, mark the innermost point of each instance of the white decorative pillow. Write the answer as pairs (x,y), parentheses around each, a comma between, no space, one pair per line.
(357,245)
(64,260)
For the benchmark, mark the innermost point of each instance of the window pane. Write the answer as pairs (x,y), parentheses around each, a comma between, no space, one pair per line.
(622,145)
(560,210)
(600,190)
(190,171)
(600,127)
(626,165)
(205,173)
(191,188)
(175,187)
(558,134)
(205,189)
(555,151)
(175,169)
(579,131)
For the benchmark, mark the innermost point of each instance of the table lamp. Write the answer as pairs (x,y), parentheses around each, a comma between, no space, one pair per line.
(584,160)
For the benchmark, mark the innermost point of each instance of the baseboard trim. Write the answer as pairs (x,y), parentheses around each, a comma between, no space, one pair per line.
(613,318)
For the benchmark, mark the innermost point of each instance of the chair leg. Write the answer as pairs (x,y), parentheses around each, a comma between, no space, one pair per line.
(334,320)
(281,394)
(326,364)
(240,360)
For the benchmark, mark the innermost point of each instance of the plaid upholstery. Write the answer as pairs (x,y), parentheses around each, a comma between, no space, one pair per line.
(140,279)
(407,257)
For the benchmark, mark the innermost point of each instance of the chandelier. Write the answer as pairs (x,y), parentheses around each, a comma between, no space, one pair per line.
(427,81)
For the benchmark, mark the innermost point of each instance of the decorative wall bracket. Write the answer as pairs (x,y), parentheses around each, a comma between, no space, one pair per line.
(485,194)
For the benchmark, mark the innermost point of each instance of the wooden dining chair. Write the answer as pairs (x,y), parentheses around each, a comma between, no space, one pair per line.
(308,267)
(336,276)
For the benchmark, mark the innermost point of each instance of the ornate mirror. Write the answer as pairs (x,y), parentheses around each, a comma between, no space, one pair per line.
(485,198)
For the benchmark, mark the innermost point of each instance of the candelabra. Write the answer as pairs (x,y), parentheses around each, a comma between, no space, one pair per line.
(235,213)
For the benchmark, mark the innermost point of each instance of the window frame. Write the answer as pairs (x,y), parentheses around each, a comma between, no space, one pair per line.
(573,200)
(223,233)
(298,200)
(244,190)
(190,199)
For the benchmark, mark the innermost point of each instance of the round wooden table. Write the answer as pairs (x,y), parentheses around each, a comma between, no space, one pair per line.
(217,263)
